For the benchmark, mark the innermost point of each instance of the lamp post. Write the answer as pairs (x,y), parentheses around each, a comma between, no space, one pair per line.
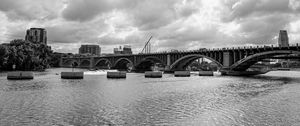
(14,67)
(73,65)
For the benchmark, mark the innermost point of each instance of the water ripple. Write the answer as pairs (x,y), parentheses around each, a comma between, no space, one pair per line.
(48,100)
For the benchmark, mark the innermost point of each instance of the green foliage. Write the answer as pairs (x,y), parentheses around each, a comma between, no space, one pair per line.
(26,55)
(55,59)
(3,55)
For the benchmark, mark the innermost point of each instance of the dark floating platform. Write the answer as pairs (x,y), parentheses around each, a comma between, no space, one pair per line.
(284,69)
(153,74)
(182,74)
(206,73)
(20,75)
(72,75)
(244,73)
(116,75)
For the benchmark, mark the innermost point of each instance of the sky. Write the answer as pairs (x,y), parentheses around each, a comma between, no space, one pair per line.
(174,24)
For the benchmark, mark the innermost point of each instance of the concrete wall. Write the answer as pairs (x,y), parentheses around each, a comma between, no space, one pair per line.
(153,74)
(72,75)
(119,74)
(19,75)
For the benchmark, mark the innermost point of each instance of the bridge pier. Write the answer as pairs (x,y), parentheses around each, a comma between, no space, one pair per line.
(167,67)
(61,62)
(92,63)
(231,59)
(227,59)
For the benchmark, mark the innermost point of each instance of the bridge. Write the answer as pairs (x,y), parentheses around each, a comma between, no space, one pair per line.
(228,59)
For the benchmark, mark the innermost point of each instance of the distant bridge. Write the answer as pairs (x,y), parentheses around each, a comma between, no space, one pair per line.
(229,59)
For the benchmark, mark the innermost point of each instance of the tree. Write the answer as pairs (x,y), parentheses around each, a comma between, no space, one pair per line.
(3,55)
(55,59)
(27,56)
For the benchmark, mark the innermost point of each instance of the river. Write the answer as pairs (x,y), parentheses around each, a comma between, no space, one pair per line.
(270,99)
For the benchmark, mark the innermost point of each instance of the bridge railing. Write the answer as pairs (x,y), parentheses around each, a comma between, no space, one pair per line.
(206,50)
(225,48)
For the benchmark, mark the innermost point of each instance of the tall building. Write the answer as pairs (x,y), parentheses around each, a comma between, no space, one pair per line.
(125,50)
(90,49)
(283,39)
(36,35)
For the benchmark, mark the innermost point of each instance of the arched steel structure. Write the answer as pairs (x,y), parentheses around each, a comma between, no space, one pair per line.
(146,63)
(184,61)
(68,63)
(229,59)
(103,63)
(122,63)
(245,63)
(151,58)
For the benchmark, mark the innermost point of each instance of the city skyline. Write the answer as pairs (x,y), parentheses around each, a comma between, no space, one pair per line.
(174,24)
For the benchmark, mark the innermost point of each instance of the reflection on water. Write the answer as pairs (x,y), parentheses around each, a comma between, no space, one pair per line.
(271,99)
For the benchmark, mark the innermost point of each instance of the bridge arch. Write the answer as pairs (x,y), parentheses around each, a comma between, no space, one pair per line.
(146,63)
(245,63)
(85,63)
(123,64)
(183,62)
(70,62)
(103,63)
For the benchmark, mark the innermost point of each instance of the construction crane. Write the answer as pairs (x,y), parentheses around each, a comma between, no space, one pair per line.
(147,47)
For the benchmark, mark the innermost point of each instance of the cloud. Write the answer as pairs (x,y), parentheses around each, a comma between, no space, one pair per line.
(30,10)
(187,8)
(248,8)
(76,32)
(150,15)
(294,5)
(259,21)
(85,10)
(174,24)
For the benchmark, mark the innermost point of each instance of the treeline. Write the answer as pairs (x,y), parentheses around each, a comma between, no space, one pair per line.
(25,55)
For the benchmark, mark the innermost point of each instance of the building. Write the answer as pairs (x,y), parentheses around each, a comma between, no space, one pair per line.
(118,50)
(90,49)
(283,39)
(125,50)
(36,35)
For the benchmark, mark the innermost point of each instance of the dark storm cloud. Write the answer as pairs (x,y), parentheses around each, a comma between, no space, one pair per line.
(145,14)
(174,24)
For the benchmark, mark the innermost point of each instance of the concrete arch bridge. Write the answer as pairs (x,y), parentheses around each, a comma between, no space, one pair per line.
(228,59)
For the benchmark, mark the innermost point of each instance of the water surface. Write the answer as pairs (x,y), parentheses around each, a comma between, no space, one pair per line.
(270,99)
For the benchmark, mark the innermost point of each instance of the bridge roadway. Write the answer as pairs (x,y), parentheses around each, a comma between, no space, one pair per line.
(228,59)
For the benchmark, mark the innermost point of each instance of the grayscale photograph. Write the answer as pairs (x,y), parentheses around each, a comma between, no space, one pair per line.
(149,63)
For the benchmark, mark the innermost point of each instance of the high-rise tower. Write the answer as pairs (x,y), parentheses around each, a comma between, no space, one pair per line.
(283,39)
(36,35)
(90,49)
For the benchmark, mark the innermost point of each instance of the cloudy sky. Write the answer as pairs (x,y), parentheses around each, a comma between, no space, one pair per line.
(174,24)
